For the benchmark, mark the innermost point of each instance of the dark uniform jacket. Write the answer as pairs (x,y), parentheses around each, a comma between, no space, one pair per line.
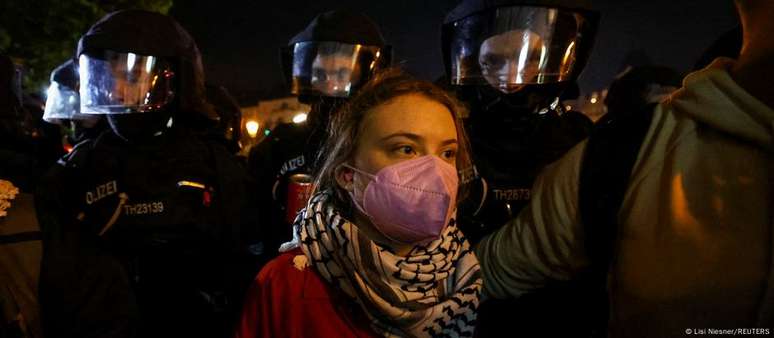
(290,149)
(146,240)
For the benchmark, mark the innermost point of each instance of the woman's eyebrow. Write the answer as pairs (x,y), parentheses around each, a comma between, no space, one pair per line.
(449,141)
(411,136)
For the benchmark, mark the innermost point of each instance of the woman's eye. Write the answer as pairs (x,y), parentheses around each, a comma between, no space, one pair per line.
(405,150)
(449,154)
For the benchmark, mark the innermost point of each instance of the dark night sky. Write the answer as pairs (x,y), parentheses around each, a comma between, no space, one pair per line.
(240,39)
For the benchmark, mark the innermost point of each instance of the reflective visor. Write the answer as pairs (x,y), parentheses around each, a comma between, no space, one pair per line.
(331,68)
(121,83)
(62,104)
(508,47)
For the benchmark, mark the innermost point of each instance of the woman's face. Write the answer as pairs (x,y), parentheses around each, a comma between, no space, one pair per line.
(405,128)
(401,129)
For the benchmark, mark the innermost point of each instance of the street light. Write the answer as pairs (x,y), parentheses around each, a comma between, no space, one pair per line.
(299,118)
(252,128)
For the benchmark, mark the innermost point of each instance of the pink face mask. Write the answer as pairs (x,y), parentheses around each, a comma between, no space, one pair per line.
(411,201)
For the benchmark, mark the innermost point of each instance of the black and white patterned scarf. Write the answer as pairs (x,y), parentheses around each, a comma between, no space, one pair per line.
(432,292)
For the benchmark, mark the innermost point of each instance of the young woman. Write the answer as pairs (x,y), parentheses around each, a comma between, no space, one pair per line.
(376,251)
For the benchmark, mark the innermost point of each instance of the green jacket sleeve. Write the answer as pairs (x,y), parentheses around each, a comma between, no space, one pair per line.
(544,242)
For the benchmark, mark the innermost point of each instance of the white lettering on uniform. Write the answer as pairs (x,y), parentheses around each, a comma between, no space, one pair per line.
(101,191)
(512,194)
(144,208)
(111,188)
(292,164)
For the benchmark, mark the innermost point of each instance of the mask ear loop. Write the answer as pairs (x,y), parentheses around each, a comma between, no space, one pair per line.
(372,176)
(352,176)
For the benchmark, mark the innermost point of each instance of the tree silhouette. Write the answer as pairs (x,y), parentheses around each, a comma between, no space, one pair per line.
(39,35)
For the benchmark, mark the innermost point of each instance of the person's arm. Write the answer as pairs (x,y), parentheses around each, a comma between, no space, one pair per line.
(544,242)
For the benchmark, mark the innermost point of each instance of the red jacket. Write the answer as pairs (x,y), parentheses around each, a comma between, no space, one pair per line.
(287,302)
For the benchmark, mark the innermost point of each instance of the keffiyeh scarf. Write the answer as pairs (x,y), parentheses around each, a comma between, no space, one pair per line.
(432,292)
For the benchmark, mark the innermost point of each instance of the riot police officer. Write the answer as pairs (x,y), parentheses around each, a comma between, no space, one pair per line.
(147,227)
(63,107)
(325,64)
(511,61)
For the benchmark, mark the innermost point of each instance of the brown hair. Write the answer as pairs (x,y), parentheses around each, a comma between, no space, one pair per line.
(344,127)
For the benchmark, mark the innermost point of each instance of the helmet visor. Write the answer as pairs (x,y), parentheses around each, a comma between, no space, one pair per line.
(62,103)
(331,69)
(509,47)
(121,83)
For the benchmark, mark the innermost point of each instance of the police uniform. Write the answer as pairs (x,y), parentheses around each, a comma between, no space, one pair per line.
(171,217)
(148,229)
